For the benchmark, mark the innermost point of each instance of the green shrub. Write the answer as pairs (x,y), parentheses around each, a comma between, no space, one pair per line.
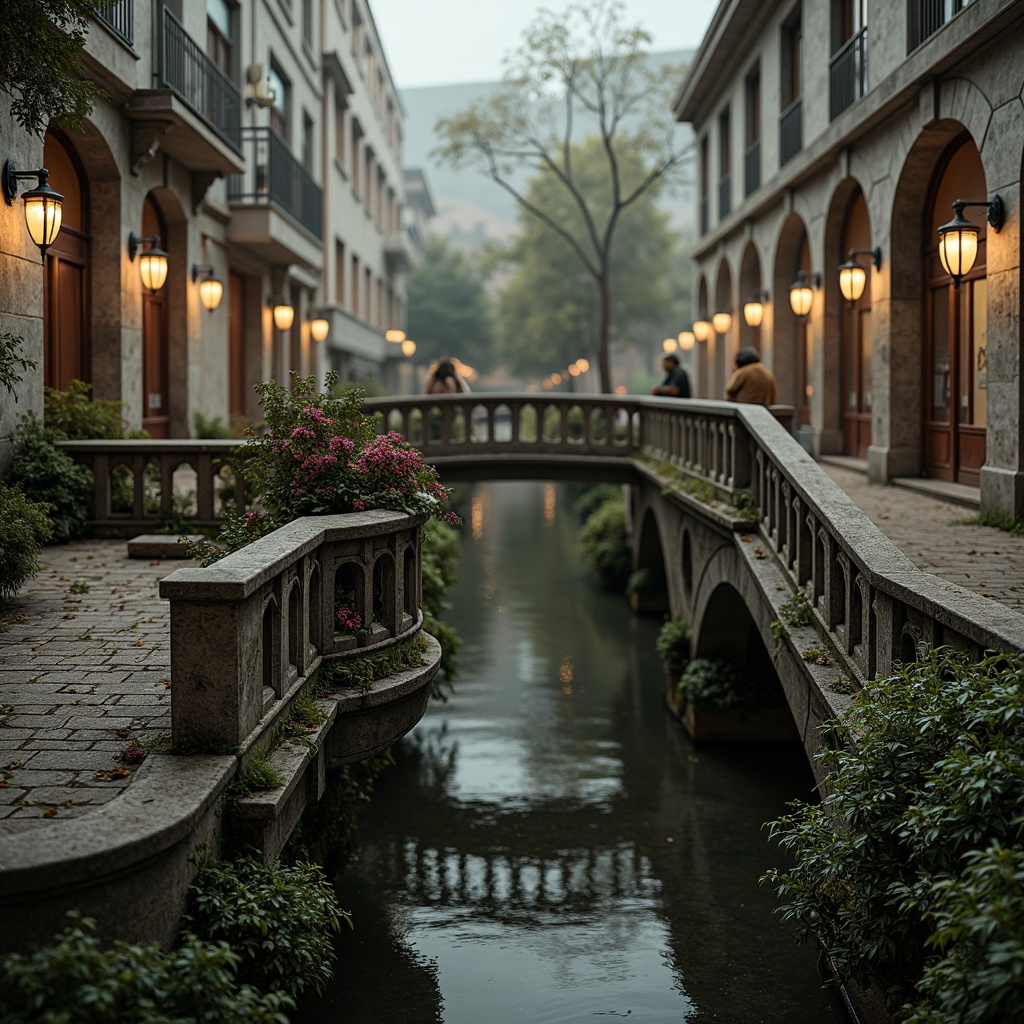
(51,477)
(910,869)
(586,499)
(74,981)
(604,544)
(76,417)
(673,646)
(11,361)
(261,772)
(278,919)
(717,685)
(439,546)
(24,528)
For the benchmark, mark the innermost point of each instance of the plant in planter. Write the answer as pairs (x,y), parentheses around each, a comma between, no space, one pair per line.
(673,647)
(717,685)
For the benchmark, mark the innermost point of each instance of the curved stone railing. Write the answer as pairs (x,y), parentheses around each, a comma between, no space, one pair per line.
(250,630)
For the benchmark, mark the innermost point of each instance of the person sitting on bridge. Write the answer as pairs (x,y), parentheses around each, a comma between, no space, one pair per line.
(445,380)
(676,382)
(752,382)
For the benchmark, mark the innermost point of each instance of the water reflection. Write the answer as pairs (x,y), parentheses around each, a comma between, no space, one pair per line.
(550,847)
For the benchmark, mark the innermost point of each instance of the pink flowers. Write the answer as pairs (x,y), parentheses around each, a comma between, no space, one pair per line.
(347,620)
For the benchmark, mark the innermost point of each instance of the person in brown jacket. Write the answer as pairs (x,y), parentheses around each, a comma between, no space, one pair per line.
(752,381)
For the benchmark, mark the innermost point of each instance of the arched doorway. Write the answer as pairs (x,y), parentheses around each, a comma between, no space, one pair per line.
(705,346)
(955,354)
(750,286)
(793,335)
(855,335)
(724,346)
(156,405)
(67,352)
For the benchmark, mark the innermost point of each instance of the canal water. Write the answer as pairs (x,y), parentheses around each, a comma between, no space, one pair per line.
(551,848)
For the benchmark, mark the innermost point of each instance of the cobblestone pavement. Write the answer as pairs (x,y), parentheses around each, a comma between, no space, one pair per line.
(85,649)
(84,674)
(932,532)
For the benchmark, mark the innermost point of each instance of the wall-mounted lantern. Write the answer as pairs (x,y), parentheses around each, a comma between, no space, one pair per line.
(669,345)
(152,263)
(284,315)
(686,340)
(753,309)
(958,240)
(721,321)
(211,289)
(394,335)
(702,329)
(43,206)
(408,347)
(853,276)
(801,292)
(319,328)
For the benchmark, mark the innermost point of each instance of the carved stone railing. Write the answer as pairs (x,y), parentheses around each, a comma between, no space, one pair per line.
(139,485)
(249,631)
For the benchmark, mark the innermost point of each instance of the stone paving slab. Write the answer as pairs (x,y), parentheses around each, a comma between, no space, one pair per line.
(84,669)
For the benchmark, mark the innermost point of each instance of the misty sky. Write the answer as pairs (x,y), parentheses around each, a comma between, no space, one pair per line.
(443,42)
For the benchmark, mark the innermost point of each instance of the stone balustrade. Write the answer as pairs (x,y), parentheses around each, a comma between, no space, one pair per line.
(249,631)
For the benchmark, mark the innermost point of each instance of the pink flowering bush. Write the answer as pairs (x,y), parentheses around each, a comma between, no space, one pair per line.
(319,454)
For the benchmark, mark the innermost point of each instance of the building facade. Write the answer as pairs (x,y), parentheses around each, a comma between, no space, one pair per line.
(852,126)
(259,144)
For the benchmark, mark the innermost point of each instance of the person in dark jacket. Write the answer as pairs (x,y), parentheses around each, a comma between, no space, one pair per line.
(676,382)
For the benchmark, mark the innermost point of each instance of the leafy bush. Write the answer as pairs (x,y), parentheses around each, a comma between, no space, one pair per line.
(73,416)
(673,646)
(11,361)
(604,544)
(910,869)
(586,499)
(51,477)
(278,919)
(717,685)
(74,981)
(439,558)
(261,772)
(24,528)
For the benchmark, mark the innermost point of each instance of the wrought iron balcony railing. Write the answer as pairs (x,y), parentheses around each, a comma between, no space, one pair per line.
(118,16)
(848,74)
(926,17)
(198,82)
(791,131)
(272,175)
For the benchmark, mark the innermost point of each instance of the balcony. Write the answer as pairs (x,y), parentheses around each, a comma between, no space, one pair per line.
(118,16)
(791,131)
(398,251)
(194,114)
(278,206)
(848,74)
(926,17)
(752,168)
(724,196)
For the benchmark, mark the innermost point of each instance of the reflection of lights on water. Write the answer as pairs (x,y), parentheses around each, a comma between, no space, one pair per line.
(476,517)
(565,675)
(489,587)
(549,503)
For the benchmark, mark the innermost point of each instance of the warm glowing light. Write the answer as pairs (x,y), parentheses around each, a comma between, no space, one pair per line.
(556,378)
(753,312)
(722,321)
(669,345)
(319,328)
(852,279)
(476,516)
(800,298)
(620,389)
(958,245)
(701,330)
(43,216)
(583,364)
(394,335)
(549,503)
(153,269)
(408,347)
(284,316)
(574,370)
(686,340)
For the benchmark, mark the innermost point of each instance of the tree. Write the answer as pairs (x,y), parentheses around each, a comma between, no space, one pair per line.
(449,312)
(581,65)
(41,65)
(549,313)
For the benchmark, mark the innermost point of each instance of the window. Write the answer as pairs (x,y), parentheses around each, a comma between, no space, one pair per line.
(307,142)
(368,179)
(340,129)
(357,33)
(369,294)
(307,23)
(279,112)
(724,165)
(219,33)
(357,134)
(355,285)
(339,272)
(926,17)
(847,69)
(704,185)
(791,130)
(752,132)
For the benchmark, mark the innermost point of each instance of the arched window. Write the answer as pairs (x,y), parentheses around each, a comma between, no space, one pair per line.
(156,404)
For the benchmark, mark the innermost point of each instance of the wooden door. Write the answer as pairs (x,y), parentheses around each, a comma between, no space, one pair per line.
(155,377)
(66,327)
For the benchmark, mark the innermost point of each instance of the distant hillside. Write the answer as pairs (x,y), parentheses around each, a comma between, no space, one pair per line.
(474,208)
